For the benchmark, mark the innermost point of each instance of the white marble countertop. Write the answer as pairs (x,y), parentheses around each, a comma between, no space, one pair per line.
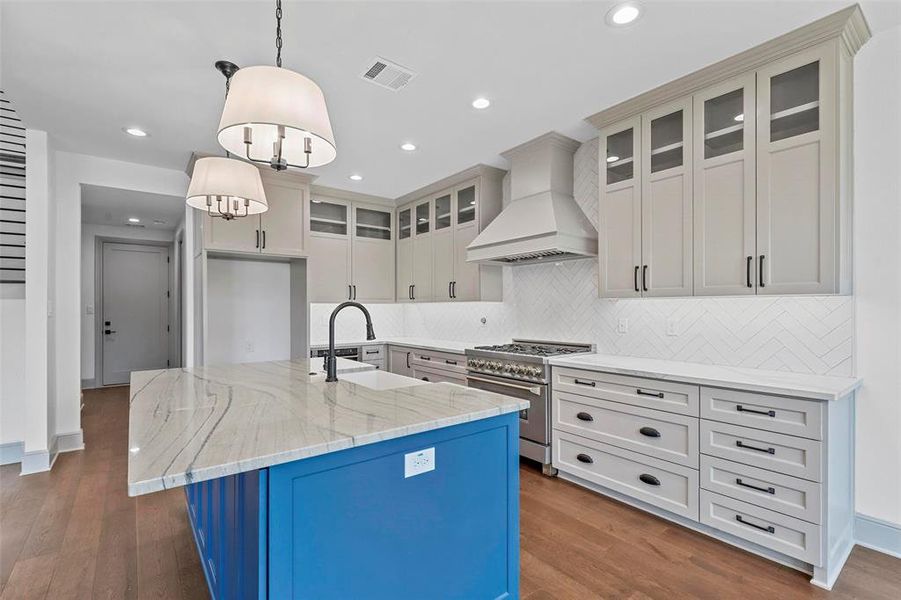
(815,387)
(188,425)
(412,342)
(342,365)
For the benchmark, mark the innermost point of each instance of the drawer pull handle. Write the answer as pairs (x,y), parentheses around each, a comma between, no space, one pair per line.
(450,362)
(584,416)
(741,444)
(641,392)
(425,357)
(584,458)
(588,383)
(768,490)
(649,431)
(649,479)
(768,528)
(766,413)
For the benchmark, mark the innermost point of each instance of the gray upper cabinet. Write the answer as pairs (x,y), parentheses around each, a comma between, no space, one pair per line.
(724,189)
(742,187)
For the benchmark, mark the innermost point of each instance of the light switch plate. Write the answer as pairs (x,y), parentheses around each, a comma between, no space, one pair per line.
(89,309)
(622,326)
(419,462)
(672,327)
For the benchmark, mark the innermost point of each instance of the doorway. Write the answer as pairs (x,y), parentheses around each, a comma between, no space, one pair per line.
(135,310)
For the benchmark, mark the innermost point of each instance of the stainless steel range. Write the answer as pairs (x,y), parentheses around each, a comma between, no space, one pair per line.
(520,369)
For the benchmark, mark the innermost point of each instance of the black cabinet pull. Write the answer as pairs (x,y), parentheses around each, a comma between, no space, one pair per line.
(449,295)
(454,290)
(768,528)
(409,292)
(421,357)
(413,291)
(109,331)
(264,239)
(644,277)
(768,490)
(258,239)
(584,458)
(761,283)
(750,261)
(635,279)
(408,360)
(766,413)
(425,378)
(355,288)
(649,479)
(350,294)
(741,444)
(584,416)
(654,394)
(450,362)
(649,431)
(588,383)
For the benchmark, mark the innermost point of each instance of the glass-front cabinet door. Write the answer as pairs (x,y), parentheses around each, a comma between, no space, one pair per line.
(372,223)
(666,199)
(404,218)
(619,226)
(467,203)
(724,202)
(443,212)
(373,254)
(423,218)
(796,167)
(328,217)
(329,261)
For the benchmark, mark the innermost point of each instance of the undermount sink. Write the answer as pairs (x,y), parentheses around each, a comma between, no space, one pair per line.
(380,380)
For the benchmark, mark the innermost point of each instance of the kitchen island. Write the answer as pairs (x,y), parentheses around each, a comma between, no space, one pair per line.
(375,486)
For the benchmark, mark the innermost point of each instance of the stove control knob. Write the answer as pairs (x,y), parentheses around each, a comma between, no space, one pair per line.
(508,368)
(520,369)
(534,371)
(496,365)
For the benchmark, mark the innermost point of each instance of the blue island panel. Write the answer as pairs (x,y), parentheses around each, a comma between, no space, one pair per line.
(350,525)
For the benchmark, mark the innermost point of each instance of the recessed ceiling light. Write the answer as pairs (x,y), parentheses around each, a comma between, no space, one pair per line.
(135,131)
(407,146)
(623,14)
(740,117)
(134,220)
(481,103)
(613,158)
(356,177)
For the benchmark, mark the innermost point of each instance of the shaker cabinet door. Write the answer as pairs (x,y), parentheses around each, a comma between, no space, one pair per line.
(666,198)
(404,270)
(282,225)
(724,189)
(373,254)
(619,217)
(796,174)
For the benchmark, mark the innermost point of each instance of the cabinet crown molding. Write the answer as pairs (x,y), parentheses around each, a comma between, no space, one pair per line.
(479,170)
(848,25)
(330,192)
(552,137)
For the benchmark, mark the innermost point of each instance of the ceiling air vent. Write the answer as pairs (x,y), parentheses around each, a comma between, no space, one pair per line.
(387,74)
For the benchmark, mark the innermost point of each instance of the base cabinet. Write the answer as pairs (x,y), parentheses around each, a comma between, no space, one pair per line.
(771,474)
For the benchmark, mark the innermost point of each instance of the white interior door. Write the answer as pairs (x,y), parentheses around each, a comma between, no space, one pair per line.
(135,310)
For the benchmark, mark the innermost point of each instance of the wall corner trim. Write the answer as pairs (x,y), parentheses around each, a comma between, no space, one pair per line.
(70,442)
(878,535)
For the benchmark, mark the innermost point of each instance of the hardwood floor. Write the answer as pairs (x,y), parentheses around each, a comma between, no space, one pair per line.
(74,533)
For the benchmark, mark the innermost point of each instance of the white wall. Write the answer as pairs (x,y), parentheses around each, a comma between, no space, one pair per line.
(70,171)
(877,266)
(248,311)
(350,326)
(89,234)
(12,370)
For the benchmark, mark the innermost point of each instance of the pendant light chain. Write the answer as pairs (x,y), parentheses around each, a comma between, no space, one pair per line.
(278,33)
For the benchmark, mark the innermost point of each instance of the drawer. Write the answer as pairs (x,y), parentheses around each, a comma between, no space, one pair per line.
(371,353)
(678,398)
(378,364)
(772,530)
(455,363)
(660,483)
(798,457)
(662,435)
(790,496)
(437,375)
(791,416)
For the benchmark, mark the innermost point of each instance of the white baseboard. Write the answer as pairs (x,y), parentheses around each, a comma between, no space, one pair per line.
(878,535)
(69,442)
(11,453)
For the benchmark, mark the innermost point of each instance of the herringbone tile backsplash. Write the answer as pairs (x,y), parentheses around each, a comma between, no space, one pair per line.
(804,334)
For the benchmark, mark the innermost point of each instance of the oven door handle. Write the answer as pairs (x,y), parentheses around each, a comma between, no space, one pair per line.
(533,389)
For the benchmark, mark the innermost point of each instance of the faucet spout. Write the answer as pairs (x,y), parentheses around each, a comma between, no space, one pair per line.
(330,359)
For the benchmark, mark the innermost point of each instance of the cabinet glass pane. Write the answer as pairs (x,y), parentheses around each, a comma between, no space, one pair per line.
(442,212)
(466,205)
(619,156)
(666,142)
(795,102)
(327,217)
(422,218)
(373,224)
(403,223)
(724,124)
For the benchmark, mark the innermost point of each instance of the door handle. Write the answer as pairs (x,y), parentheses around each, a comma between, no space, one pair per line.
(584,458)
(750,260)
(635,279)
(408,360)
(108,331)
(449,294)
(355,289)
(768,529)
(644,277)
(649,479)
(653,394)
(649,432)
(765,413)
(741,444)
(767,490)
(264,239)
(350,294)
(454,290)
(584,416)
(761,283)
(413,292)
(258,239)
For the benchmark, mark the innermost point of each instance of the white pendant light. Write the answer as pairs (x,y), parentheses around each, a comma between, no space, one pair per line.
(277,117)
(226,188)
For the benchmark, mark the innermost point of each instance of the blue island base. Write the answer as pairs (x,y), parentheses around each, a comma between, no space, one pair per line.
(350,525)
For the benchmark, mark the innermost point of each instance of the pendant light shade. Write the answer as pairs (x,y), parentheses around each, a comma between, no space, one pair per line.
(226,188)
(276,116)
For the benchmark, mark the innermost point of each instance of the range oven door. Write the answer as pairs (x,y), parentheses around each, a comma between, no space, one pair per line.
(533,421)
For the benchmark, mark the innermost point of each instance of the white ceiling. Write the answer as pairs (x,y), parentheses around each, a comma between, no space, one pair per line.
(111,206)
(83,71)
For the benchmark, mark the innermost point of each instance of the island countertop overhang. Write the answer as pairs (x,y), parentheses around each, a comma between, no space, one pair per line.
(195,424)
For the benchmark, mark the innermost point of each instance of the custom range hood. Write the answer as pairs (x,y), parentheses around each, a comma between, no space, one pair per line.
(542,223)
